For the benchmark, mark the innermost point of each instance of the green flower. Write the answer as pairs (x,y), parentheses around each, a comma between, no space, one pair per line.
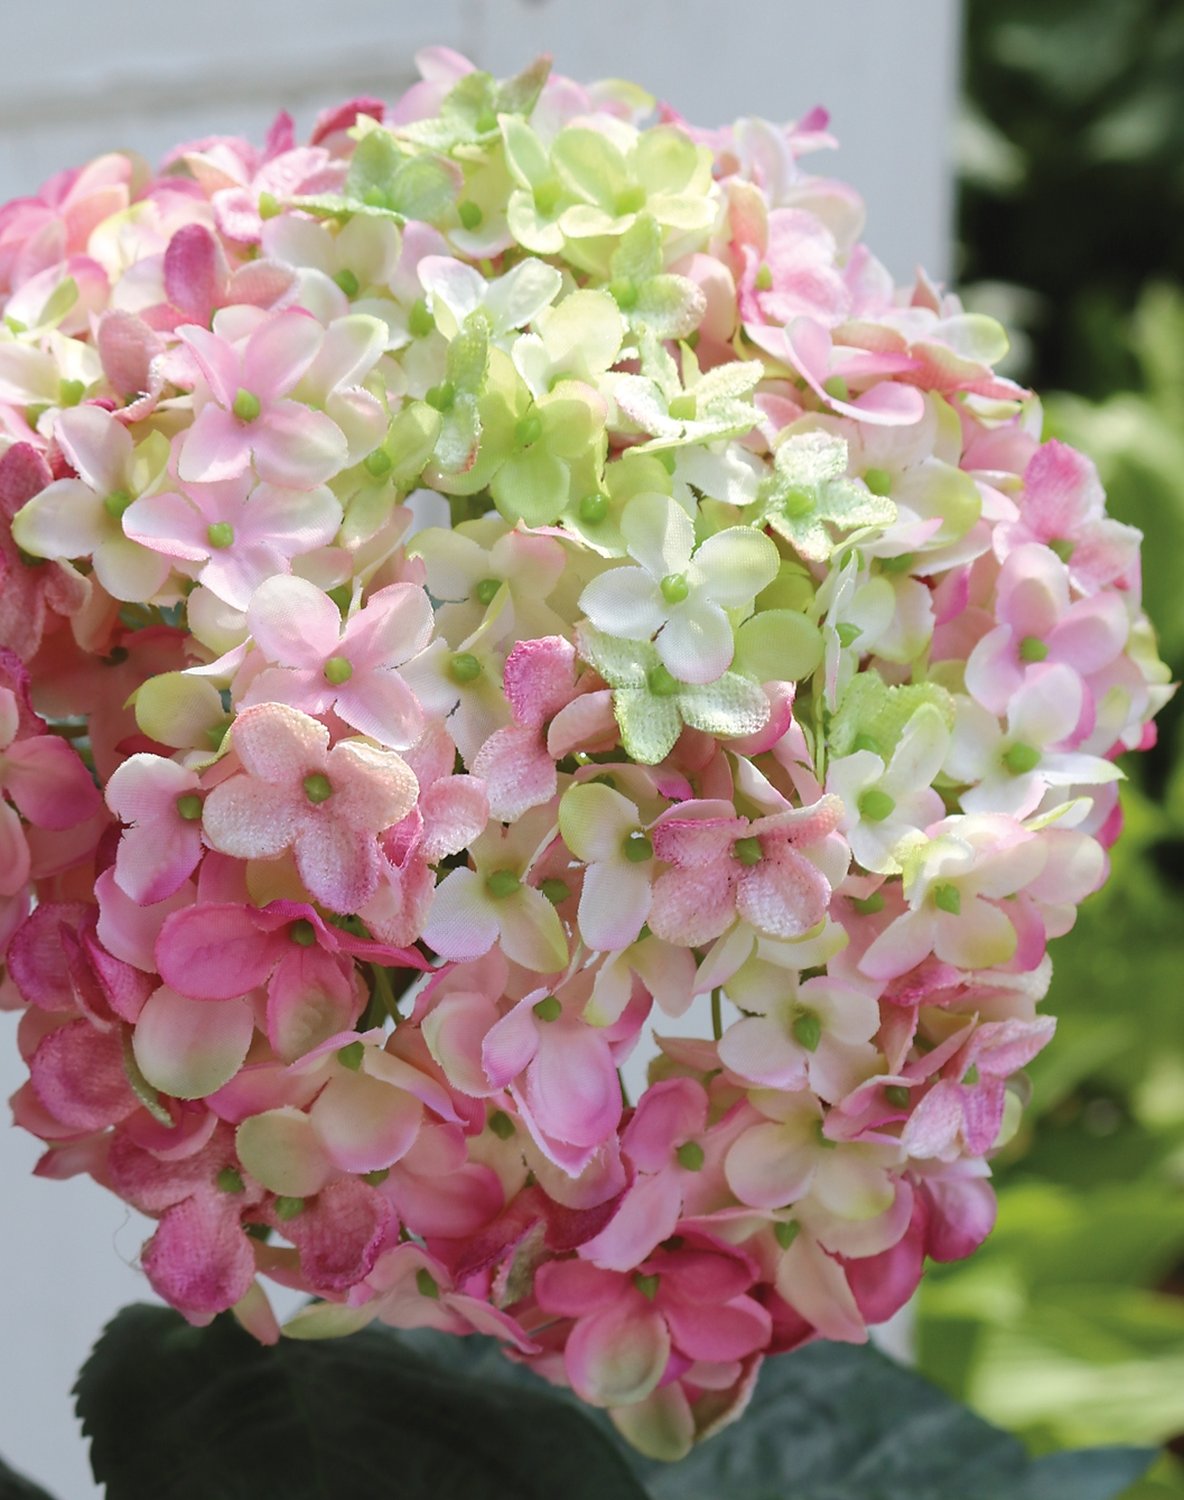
(386,182)
(651,706)
(470,114)
(693,408)
(808,496)
(670,306)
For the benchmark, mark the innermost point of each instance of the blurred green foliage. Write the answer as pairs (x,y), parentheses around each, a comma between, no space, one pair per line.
(1068,1327)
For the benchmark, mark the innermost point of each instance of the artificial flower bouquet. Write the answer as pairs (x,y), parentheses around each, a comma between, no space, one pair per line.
(477,587)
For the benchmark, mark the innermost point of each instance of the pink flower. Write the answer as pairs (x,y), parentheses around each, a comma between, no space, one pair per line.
(29,596)
(351,667)
(725,867)
(327,805)
(516,763)
(239,533)
(1040,622)
(160,803)
(245,418)
(1063,506)
(688,1304)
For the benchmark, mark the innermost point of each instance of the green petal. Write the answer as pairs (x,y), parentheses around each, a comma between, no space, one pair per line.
(778,645)
(649,726)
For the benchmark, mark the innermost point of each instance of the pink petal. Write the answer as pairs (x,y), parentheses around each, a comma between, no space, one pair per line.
(77,1073)
(718,1333)
(572,1086)
(97,447)
(191,1048)
(294,446)
(614,904)
(280,744)
(339,1234)
(517,770)
(199,1260)
(216,447)
(784,895)
(218,361)
(647,1215)
(279,352)
(618,1356)
(381,705)
(169,524)
(338,865)
(310,999)
(692,907)
(363,1123)
(216,951)
(194,270)
(294,623)
(36,959)
(511,1044)
(249,819)
(461,923)
(14,852)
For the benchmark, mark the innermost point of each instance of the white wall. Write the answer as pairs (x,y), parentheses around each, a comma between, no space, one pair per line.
(80,78)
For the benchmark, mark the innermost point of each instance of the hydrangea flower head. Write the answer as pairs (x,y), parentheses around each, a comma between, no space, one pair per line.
(478,586)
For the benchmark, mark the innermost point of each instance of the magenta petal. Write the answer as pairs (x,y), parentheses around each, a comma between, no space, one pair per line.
(339,1234)
(78,1075)
(36,958)
(216,951)
(647,1215)
(717,1333)
(194,269)
(15,863)
(199,1260)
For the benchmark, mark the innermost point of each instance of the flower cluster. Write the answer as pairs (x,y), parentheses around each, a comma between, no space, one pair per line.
(477,586)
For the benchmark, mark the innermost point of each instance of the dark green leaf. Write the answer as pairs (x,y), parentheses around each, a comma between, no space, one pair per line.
(1088,1474)
(179,1413)
(14,1486)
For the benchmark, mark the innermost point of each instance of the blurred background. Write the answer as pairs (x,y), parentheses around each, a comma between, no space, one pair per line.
(1035,156)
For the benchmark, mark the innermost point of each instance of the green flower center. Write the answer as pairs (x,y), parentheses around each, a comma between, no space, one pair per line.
(868,906)
(879,481)
(220,535)
(469,213)
(555,890)
(637,847)
(675,588)
(350,1056)
(947,897)
(317,788)
(116,503)
(1063,548)
(347,281)
(661,682)
(377,463)
(303,933)
(501,1124)
(246,405)
(548,1008)
(807,1030)
(288,1208)
(229,1180)
(875,805)
(1032,648)
(464,667)
(419,320)
(441,396)
(897,1095)
(748,851)
(764,277)
(502,883)
(528,430)
(486,589)
(836,388)
(691,1156)
(189,806)
(337,670)
(426,1285)
(797,503)
(1020,758)
(593,509)
(785,1231)
(646,1285)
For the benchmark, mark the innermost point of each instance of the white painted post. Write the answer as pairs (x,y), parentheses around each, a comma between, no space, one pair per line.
(83,78)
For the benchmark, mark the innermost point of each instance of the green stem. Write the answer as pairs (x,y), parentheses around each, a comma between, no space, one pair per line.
(382,988)
(717,1019)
